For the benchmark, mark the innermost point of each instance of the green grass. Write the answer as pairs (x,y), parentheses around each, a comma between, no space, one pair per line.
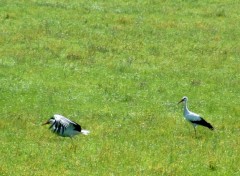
(119,68)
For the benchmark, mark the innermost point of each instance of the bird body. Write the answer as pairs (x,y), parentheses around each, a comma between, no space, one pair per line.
(64,127)
(192,117)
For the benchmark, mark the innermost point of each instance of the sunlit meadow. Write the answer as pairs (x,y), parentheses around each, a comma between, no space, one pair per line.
(119,68)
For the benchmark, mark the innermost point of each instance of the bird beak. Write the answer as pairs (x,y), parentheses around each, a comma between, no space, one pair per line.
(46,123)
(180,101)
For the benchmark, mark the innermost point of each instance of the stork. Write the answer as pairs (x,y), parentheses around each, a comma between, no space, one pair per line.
(64,127)
(192,117)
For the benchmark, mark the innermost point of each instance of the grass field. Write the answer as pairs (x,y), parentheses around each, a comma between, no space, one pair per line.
(119,68)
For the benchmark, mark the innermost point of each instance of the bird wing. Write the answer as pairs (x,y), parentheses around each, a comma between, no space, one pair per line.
(66,124)
(63,120)
(77,127)
(203,123)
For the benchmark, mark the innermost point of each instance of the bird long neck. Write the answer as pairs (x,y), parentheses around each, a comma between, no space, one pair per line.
(185,108)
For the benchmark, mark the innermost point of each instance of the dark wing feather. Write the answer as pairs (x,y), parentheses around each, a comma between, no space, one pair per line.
(203,123)
(52,125)
(58,128)
(77,127)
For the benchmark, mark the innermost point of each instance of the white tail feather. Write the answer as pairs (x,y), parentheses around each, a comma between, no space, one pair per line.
(85,132)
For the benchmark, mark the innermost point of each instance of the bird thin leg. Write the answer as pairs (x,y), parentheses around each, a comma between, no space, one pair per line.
(195,131)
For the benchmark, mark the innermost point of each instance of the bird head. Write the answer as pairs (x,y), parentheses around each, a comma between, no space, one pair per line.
(50,121)
(184,100)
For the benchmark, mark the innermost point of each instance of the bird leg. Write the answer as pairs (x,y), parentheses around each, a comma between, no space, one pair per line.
(195,131)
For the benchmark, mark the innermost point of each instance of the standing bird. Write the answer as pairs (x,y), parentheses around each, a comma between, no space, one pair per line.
(64,127)
(192,117)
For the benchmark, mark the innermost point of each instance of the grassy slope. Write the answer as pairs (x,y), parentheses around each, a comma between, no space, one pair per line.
(119,68)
